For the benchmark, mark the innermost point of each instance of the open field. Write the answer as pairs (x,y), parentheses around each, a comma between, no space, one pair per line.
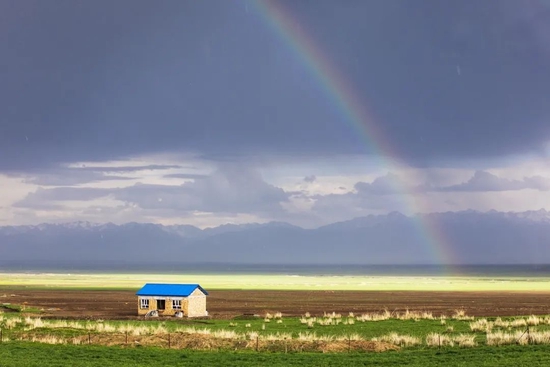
(43,355)
(112,295)
(91,320)
(226,304)
(385,338)
(280,282)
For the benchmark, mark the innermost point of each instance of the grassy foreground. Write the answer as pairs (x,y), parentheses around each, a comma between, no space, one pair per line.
(407,338)
(43,355)
(277,282)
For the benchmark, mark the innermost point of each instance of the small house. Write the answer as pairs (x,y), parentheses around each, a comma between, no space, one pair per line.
(172,299)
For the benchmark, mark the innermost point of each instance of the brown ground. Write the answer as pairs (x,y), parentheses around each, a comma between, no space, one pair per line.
(230,303)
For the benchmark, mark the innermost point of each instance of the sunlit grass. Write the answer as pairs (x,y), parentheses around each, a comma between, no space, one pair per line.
(332,331)
(277,282)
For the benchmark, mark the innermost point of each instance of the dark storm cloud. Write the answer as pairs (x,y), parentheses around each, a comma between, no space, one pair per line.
(100,80)
(310,179)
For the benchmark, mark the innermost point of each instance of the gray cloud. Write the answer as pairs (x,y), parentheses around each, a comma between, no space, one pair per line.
(71,179)
(384,185)
(72,176)
(485,181)
(337,207)
(481,181)
(379,196)
(43,197)
(231,189)
(382,195)
(62,176)
(537,183)
(310,178)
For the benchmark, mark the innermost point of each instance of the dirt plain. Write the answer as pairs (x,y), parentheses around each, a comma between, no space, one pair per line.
(225,304)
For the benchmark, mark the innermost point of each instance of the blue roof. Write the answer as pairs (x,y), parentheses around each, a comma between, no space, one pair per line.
(175,290)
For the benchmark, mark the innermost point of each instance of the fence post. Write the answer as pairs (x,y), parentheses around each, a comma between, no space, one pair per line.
(528,335)
(126,337)
(439,336)
(349,343)
(1,336)
(286,347)
(169,341)
(89,339)
(257,339)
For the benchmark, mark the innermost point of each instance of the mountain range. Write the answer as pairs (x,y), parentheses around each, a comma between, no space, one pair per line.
(466,237)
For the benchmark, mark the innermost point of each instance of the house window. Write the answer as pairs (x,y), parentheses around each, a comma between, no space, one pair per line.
(176,304)
(144,303)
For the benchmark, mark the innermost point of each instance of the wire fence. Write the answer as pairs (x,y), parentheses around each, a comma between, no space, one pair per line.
(257,343)
(283,342)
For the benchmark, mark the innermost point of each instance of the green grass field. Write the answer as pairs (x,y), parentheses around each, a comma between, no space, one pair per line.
(278,282)
(408,330)
(28,354)
(73,348)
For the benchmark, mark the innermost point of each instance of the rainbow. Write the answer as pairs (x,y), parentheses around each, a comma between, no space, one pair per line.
(340,92)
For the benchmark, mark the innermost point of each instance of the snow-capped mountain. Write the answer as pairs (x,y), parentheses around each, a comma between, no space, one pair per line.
(467,237)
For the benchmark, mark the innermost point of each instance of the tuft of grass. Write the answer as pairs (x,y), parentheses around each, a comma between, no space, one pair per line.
(503,338)
(400,340)
(533,320)
(465,340)
(518,323)
(349,321)
(481,325)
(518,337)
(436,340)
(227,334)
(374,316)
(414,315)
(460,314)
(48,339)
(278,336)
(11,322)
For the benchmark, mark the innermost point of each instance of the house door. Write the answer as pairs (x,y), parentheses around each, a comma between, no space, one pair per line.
(161,304)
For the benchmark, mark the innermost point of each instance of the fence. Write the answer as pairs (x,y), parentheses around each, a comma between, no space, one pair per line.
(205,342)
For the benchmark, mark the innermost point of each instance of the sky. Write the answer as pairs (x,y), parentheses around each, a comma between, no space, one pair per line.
(306,111)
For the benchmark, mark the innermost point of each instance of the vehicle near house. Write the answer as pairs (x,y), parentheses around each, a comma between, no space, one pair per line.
(172,300)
